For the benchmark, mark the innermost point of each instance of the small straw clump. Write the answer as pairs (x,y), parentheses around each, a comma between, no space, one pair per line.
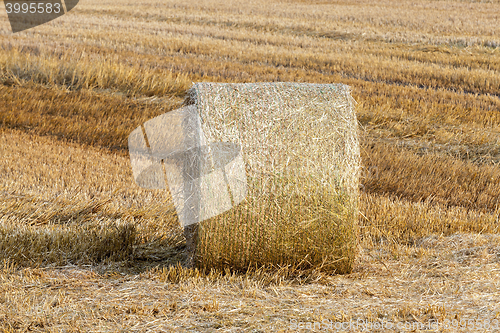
(301,152)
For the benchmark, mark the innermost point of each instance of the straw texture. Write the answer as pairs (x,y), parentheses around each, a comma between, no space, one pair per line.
(301,152)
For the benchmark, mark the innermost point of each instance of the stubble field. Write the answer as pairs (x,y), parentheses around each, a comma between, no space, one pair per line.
(84,249)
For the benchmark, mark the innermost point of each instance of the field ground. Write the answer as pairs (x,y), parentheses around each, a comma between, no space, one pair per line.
(84,249)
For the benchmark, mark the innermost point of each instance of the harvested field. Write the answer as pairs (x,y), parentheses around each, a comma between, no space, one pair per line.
(84,248)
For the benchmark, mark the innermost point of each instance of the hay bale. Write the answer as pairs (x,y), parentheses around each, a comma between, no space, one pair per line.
(300,147)
(269,170)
